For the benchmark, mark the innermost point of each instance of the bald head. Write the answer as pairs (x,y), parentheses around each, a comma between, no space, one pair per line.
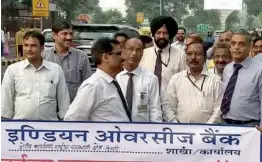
(134,41)
(133,52)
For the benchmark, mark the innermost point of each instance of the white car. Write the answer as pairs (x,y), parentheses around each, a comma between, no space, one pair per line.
(49,42)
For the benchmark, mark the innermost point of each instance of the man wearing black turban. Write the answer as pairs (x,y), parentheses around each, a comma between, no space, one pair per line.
(163,59)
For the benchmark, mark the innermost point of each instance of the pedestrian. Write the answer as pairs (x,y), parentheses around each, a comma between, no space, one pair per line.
(221,57)
(163,59)
(194,95)
(121,37)
(147,41)
(74,62)
(242,82)
(225,37)
(140,87)
(100,98)
(257,46)
(2,44)
(19,42)
(192,38)
(34,89)
(180,39)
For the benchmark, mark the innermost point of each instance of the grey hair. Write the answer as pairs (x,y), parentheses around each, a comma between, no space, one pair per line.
(246,34)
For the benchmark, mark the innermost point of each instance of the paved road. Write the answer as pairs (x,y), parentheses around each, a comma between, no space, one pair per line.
(11,56)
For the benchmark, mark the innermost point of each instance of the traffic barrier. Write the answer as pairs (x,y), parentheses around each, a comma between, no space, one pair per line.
(9,62)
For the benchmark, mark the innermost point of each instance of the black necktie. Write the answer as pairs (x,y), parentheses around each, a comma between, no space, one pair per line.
(122,99)
(129,92)
(225,105)
(158,67)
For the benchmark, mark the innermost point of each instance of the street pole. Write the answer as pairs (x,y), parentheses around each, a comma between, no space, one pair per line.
(161,7)
(41,24)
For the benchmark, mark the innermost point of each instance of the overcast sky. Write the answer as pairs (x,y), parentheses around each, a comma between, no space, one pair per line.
(113,4)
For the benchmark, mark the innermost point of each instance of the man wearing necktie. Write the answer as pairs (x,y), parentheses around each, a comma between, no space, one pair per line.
(100,98)
(242,83)
(139,85)
(163,59)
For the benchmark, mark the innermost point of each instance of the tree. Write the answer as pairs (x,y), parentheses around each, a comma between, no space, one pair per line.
(71,10)
(203,17)
(151,8)
(112,16)
(253,7)
(232,20)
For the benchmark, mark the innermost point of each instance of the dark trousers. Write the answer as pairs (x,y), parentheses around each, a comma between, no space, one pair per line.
(20,50)
(2,48)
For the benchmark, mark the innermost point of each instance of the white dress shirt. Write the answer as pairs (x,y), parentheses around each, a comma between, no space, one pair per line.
(175,63)
(34,94)
(214,71)
(258,57)
(97,99)
(186,103)
(145,93)
(179,45)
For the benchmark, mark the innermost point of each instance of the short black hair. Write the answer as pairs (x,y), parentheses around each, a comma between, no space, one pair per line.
(182,28)
(61,25)
(145,39)
(256,40)
(120,34)
(35,34)
(102,45)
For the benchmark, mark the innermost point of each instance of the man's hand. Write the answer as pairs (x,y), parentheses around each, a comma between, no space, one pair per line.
(259,128)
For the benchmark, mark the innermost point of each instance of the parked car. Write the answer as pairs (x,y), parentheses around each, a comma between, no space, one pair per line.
(49,42)
(86,34)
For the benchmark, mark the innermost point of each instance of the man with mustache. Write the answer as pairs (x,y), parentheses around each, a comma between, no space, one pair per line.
(225,37)
(140,86)
(242,84)
(99,98)
(194,95)
(221,57)
(163,59)
(74,62)
(34,89)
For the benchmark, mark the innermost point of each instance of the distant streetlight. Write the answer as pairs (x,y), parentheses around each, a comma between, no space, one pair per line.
(161,7)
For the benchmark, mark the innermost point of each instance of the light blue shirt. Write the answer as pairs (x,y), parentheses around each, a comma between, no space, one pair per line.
(247,97)
(258,57)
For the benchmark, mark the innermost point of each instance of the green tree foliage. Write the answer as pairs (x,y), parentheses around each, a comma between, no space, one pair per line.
(232,21)
(151,8)
(108,17)
(72,8)
(254,7)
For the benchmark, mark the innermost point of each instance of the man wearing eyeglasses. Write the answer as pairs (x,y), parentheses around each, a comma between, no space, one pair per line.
(194,95)
(100,98)
(139,85)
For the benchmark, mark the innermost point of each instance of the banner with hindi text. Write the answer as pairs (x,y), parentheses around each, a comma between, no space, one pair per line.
(24,141)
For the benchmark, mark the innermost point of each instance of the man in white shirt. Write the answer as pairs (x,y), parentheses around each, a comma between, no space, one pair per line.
(221,57)
(100,98)
(140,86)
(180,39)
(193,96)
(34,89)
(163,59)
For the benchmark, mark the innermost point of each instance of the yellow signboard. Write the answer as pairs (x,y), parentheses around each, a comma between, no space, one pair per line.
(40,8)
(139,17)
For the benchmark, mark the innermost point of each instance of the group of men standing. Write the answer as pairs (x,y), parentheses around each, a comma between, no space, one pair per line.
(156,84)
